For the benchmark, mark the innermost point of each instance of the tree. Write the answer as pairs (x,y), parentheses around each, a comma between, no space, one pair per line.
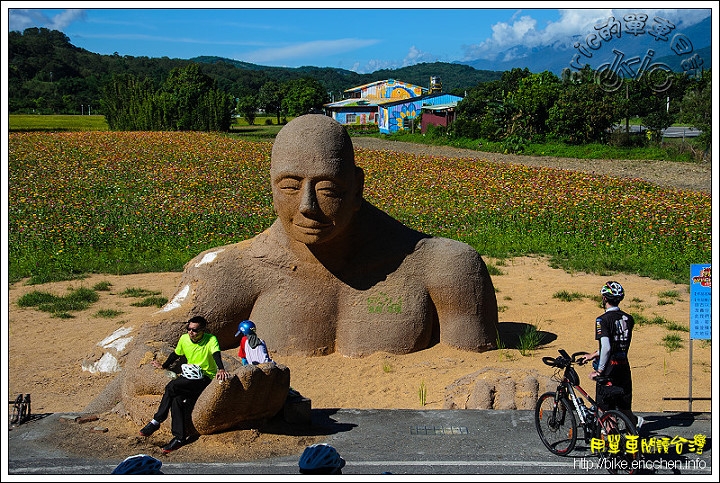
(584,113)
(477,113)
(696,109)
(247,106)
(534,97)
(270,98)
(302,96)
(186,101)
(126,103)
(183,88)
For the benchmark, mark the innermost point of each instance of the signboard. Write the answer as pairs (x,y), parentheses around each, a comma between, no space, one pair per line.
(700,301)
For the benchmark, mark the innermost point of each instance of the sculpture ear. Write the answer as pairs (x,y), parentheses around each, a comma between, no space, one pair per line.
(359,180)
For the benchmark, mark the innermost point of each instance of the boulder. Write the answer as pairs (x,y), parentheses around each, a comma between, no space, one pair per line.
(255,393)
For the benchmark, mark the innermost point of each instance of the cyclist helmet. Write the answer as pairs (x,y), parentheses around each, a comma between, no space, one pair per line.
(245,327)
(613,292)
(192,371)
(140,464)
(320,458)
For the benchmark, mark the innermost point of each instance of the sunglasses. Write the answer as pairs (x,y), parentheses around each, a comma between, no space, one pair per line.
(196,330)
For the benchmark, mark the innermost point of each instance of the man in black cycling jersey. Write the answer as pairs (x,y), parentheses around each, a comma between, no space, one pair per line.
(613,331)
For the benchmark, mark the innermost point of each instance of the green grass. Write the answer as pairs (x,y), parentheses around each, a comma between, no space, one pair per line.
(138,292)
(566,296)
(672,342)
(529,340)
(60,306)
(103,286)
(640,320)
(150,302)
(677,327)
(494,270)
(260,130)
(165,197)
(108,313)
(55,123)
(670,151)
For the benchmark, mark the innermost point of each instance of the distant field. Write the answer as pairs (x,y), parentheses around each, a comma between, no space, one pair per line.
(30,122)
(265,127)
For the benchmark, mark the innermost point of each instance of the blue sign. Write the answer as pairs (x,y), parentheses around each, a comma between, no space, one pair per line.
(700,301)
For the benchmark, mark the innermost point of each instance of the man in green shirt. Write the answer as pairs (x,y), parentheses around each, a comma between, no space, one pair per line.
(204,361)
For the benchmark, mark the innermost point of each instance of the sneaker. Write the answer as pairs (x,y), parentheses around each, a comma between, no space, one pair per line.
(149,429)
(640,422)
(174,444)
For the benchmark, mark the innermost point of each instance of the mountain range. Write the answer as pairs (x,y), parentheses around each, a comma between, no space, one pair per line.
(555,58)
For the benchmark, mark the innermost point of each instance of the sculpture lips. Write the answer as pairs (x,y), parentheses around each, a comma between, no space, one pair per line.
(312,228)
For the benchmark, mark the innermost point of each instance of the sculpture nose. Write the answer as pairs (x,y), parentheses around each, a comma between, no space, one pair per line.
(308,199)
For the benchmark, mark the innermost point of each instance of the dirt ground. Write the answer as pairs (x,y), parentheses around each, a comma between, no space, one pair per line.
(47,355)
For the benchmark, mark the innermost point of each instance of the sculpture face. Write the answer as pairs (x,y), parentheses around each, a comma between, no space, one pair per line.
(315,184)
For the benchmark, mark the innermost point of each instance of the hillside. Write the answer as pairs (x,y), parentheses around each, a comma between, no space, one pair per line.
(49,75)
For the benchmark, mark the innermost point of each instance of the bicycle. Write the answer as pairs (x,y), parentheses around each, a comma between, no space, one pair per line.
(609,432)
(20,410)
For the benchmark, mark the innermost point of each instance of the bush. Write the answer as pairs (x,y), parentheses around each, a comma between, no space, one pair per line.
(620,138)
(434,131)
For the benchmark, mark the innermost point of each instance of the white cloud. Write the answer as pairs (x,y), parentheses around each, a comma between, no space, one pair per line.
(416,56)
(62,20)
(20,19)
(306,50)
(523,31)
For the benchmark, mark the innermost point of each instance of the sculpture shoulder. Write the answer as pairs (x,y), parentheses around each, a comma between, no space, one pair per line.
(229,258)
(447,250)
(220,254)
(448,262)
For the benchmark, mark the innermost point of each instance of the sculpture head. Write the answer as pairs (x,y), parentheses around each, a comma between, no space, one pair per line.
(316,186)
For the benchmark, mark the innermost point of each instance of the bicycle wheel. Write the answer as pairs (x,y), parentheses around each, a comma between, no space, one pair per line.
(556,424)
(619,457)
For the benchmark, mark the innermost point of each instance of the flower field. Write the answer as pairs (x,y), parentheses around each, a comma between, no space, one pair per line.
(131,202)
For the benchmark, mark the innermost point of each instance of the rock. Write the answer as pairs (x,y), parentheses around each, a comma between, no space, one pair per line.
(253,394)
(497,388)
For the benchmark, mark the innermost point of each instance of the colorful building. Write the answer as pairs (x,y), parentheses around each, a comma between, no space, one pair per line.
(390,104)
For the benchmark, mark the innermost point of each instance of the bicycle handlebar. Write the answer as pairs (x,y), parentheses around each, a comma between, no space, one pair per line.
(564,359)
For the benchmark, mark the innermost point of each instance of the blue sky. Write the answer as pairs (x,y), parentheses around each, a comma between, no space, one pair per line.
(362,40)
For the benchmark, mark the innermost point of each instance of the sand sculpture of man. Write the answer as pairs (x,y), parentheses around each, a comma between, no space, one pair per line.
(334,273)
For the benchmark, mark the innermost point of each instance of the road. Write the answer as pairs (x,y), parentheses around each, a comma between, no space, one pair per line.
(406,442)
(673,131)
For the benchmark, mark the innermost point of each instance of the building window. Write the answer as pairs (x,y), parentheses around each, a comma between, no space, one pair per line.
(350,118)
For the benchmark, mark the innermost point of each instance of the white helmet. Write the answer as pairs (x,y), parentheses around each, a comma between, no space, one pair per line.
(192,371)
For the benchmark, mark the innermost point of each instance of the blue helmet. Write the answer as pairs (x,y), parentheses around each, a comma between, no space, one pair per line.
(245,327)
(321,458)
(140,464)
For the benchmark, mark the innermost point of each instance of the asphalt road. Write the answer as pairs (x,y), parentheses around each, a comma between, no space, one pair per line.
(673,131)
(407,442)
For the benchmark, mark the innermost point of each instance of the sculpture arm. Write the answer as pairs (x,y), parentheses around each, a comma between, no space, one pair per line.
(463,294)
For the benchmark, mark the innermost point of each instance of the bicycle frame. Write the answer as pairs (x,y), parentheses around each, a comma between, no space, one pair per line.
(557,414)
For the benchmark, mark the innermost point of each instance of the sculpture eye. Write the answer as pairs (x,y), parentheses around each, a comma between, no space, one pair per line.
(289,185)
(329,189)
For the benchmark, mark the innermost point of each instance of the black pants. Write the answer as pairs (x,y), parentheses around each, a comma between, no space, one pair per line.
(621,377)
(180,397)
